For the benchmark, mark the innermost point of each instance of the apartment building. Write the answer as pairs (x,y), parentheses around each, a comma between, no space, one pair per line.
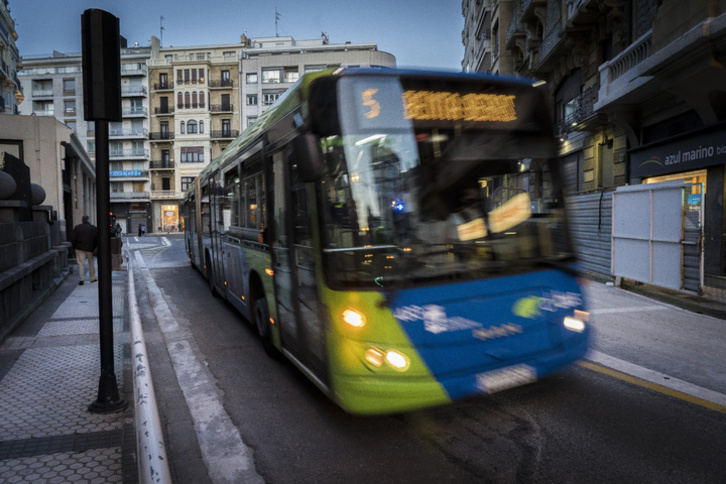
(270,65)
(53,86)
(10,89)
(195,113)
(639,91)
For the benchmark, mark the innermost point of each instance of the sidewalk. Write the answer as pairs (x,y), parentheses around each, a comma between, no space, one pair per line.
(49,374)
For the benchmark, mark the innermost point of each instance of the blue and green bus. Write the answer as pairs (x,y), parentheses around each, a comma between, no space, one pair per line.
(400,236)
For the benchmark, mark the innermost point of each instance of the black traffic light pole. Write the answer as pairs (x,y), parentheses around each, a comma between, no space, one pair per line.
(102,103)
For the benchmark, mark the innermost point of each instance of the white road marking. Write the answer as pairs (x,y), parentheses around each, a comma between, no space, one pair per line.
(658,378)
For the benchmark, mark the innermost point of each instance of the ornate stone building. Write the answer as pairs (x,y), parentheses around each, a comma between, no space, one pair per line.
(638,88)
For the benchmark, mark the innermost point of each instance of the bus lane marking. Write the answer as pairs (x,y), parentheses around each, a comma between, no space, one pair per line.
(653,380)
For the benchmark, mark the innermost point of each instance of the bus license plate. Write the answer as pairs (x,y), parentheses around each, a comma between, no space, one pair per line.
(505,378)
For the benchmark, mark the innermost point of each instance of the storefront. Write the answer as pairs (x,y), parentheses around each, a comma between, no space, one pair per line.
(696,158)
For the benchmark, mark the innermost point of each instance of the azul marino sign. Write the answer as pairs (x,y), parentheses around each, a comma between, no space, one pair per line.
(699,150)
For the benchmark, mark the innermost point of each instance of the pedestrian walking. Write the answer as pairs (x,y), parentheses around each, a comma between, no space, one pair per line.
(85,241)
(140,229)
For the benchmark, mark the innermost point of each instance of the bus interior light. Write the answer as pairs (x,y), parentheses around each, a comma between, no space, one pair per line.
(574,324)
(354,318)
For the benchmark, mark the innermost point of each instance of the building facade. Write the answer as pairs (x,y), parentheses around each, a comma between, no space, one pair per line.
(181,107)
(270,65)
(638,89)
(10,89)
(53,86)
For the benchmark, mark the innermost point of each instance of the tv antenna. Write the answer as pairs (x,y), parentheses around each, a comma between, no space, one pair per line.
(277,18)
(161,30)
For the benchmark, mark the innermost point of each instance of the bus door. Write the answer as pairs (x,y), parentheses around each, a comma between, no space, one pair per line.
(220,208)
(300,316)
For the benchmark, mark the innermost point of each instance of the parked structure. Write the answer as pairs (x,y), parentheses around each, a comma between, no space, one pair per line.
(639,97)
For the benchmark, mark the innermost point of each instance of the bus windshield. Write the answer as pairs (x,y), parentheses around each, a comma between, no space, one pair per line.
(428,181)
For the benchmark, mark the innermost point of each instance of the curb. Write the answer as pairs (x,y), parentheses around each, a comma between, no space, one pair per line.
(153,465)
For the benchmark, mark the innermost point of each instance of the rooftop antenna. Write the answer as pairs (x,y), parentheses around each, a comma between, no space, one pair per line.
(277,17)
(161,30)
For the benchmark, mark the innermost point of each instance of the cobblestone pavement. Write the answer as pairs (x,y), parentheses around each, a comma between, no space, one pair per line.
(49,374)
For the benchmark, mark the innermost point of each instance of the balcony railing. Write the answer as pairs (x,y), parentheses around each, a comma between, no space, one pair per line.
(230,133)
(161,135)
(166,194)
(225,83)
(578,109)
(636,53)
(164,110)
(166,86)
(135,111)
(161,165)
(128,153)
(221,108)
(190,105)
(42,92)
(128,133)
(129,195)
(134,91)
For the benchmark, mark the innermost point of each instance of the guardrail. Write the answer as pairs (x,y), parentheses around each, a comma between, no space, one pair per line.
(153,465)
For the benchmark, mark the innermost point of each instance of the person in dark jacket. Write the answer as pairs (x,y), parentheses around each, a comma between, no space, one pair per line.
(85,240)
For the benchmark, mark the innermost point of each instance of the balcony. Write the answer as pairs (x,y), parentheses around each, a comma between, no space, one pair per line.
(133,69)
(515,31)
(130,196)
(620,75)
(166,195)
(529,7)
(161,136)
(190,105)
(138,133)
(37,93)
(161,165)
(135,91)
(166,86)
(131,112)
(128,154)
(164,111)
(578,111)
(224,134)
(221,108)
(221,84)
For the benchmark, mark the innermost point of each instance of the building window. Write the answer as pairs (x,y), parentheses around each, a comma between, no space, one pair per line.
(201,126)
(191,127)
(251,119)
(186,182)
(194,76)
(179,100)
(192,154)
(187,100)
(69,86)
(226,131)
(252,99)
(181,127)
(194,99)
(69,107)
(271,75)
(269,98)
(251,78)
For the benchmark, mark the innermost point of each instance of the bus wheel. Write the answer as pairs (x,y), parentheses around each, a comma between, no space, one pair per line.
(262,323)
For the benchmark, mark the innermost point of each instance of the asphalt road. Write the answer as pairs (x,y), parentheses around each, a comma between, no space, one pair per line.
(591,423)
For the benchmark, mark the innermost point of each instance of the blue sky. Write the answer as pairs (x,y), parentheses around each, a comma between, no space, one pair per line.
(420,33)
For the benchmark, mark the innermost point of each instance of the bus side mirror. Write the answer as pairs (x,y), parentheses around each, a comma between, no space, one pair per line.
(308,157)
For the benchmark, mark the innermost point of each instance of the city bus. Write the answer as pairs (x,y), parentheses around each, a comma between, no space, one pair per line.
(400,236)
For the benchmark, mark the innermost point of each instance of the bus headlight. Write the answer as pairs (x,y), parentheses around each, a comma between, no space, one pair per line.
(577,322)
(397,360)
(354,318)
